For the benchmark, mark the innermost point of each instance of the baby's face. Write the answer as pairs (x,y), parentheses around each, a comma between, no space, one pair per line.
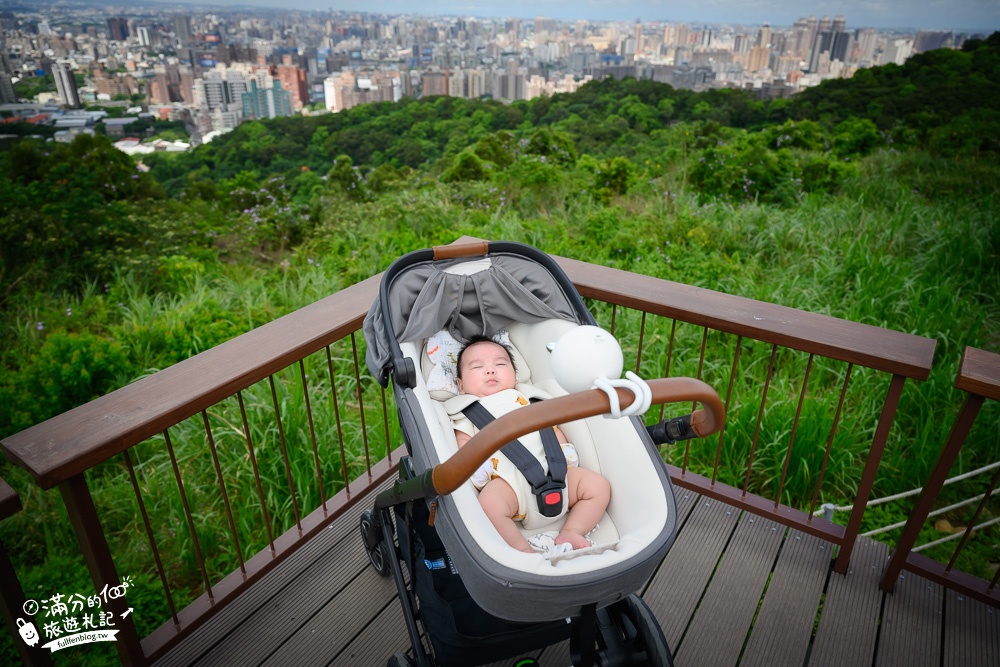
(486,369)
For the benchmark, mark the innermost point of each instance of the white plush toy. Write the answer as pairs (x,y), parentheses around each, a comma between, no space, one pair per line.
(587,357)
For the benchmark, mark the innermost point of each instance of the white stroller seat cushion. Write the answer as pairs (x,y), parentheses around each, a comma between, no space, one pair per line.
(638,508)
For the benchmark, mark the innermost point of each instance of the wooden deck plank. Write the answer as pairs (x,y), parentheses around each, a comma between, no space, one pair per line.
(327,632)
(271,625)
(383,637)
(733,595)
(255,601)
(849,620)
(910,632)
(971,632)
(677,586)
(781,633)
(686,499)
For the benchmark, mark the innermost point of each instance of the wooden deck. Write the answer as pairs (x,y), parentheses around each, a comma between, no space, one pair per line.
(735,589)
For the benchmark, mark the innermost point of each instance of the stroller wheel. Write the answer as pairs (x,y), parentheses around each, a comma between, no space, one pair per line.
(400,660)
(640,632)
(375,546)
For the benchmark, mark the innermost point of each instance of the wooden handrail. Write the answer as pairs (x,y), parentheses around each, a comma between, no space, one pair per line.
(979,373)
(452,473)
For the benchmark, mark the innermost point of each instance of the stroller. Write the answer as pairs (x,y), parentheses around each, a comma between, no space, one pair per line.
(478,599)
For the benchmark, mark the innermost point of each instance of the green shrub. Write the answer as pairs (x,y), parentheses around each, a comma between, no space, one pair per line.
(68,370)
(467,166)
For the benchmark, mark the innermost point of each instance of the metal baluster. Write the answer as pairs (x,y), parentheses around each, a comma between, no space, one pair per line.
(187,515)
(312,433)
(760,417)
(336,414)
(829,443)
(284,453)
(225,494)
(729,394)
(791,438)
(670,356)
(361,405)
(151,538)
(642,335)
(256,472)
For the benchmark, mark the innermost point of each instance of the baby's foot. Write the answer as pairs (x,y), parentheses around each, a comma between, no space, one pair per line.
(575,540)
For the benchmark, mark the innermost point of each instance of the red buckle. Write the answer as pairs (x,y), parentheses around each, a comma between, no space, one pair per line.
(553,498)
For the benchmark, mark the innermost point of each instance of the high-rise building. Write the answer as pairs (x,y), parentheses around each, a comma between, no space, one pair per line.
(182,28)
(293,80)
(683,34)
(837,46)
(457,83)
(764,36)
(7,93)
(931,40)
(118,27)
(269,102)
(66,84)
(800,39)
(864,48)
(760,57)
(435,83)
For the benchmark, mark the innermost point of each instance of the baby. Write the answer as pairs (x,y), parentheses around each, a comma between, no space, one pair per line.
(486,368)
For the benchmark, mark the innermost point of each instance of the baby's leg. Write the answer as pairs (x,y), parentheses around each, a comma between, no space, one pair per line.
(500,504)
(589,495)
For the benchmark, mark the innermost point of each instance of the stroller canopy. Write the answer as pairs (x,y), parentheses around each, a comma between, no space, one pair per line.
(487,295)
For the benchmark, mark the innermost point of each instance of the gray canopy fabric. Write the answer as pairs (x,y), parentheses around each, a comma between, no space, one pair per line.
(426,298)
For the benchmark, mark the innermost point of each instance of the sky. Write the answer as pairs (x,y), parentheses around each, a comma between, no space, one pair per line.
(981,16)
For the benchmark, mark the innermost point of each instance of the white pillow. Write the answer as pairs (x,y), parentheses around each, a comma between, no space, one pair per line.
(441,356)
(439,363)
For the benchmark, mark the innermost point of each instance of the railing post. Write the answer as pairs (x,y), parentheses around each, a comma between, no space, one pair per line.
(97,555)
(868,476)
(959,432)
(11,593)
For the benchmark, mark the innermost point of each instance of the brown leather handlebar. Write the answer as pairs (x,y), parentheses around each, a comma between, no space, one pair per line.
(472,249)
(451,474)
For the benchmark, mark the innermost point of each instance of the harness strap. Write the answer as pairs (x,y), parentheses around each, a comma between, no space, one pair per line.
(547,486)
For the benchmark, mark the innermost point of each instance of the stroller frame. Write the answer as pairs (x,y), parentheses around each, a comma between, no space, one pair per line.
(621,632)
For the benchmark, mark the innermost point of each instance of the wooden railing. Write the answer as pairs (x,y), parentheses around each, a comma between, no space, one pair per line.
(153,418)
(12,595)
(979,378)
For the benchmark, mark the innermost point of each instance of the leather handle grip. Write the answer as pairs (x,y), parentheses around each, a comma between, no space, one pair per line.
(473,249)
(451,474)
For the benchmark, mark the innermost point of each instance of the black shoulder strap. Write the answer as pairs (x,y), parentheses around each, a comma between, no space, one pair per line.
(543,483)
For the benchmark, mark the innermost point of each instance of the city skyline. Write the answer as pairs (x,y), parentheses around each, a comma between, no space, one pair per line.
(958,15)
